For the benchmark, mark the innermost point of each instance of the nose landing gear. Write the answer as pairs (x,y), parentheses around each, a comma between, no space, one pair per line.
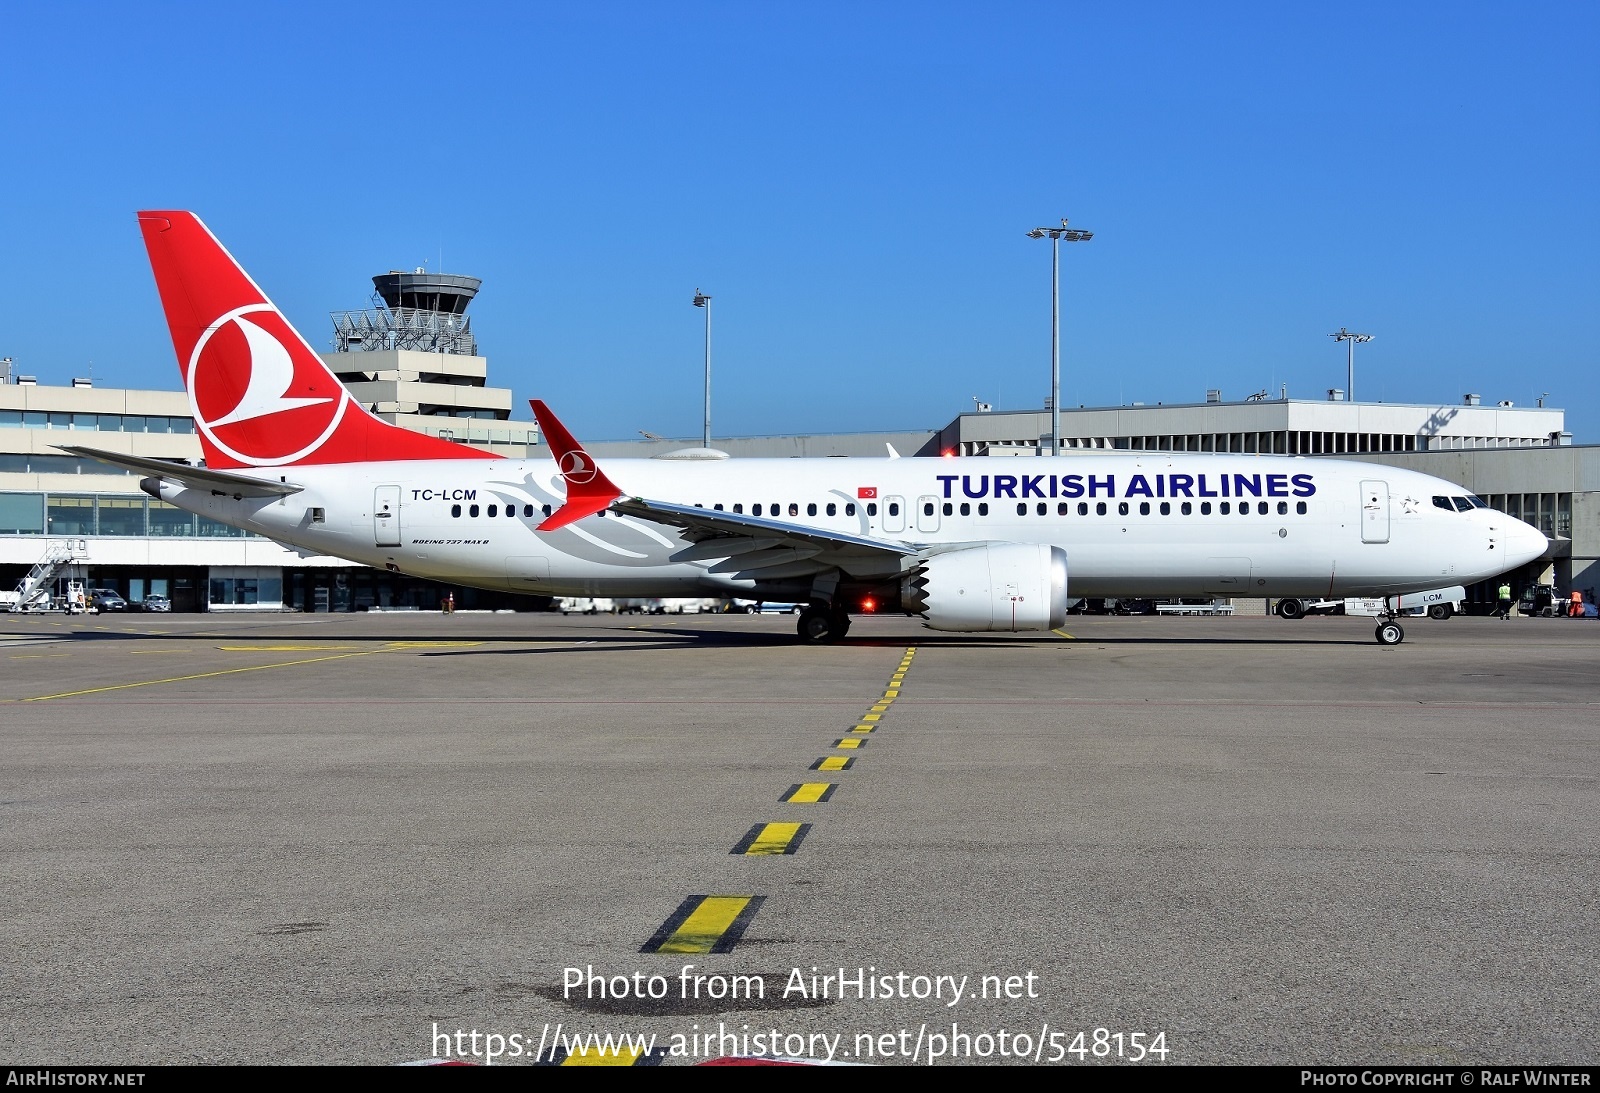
(1390,632)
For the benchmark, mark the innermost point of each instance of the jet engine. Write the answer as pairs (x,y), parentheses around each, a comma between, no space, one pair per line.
(1002,586)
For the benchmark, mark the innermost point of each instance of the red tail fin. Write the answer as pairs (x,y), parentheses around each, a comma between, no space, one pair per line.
(259,395)
(588,488)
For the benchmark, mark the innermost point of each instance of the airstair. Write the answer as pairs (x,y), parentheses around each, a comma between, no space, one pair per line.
(34,591)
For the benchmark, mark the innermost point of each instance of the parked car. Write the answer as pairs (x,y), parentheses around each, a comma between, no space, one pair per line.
(156,603)
(106,599)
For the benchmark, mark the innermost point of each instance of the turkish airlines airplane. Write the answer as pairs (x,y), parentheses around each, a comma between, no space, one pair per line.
(967,544)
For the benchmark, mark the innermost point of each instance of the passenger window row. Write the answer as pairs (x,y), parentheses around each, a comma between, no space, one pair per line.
(1063,508)
(1185,508)
(777,508)
(494,510)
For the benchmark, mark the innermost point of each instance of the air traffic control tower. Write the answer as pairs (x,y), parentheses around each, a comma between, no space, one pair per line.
(413,360)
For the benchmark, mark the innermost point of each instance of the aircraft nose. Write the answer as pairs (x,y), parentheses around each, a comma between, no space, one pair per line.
(1524,542)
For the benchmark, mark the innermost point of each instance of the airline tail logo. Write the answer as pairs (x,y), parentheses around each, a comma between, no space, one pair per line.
(259,423)
(578,468)
(259,394)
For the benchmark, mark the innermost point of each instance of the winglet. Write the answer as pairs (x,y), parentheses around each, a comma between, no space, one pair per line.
(588,489)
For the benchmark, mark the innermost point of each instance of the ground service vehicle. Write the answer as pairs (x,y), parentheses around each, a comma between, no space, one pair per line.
(1542,601)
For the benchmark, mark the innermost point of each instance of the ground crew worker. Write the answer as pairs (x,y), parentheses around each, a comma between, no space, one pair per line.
(1505,601)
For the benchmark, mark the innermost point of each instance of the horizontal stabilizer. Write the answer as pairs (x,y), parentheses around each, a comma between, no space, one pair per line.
(196,478)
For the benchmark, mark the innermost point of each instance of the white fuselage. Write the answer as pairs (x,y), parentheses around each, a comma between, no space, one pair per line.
(1149,524)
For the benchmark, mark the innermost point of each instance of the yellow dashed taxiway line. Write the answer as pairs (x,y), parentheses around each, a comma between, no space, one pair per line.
(768,839)
(589,1055)
(705,924)
(809,793)
(714,924)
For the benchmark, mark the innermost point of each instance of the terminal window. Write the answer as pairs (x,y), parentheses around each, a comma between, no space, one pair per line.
(246,591)
(21,513)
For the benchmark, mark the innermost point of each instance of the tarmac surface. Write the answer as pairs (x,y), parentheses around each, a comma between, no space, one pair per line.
(314,838)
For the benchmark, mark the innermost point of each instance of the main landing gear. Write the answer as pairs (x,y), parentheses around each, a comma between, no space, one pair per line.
(821,623)
(1390,632)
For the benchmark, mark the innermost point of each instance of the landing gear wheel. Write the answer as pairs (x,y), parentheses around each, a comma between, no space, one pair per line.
(816,625)
(1390,633)
(819,624)
(1291,609)
(1441,611)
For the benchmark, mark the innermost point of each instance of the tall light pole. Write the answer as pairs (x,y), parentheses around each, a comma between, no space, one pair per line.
(1350,365)
(1071,235)
(702,300)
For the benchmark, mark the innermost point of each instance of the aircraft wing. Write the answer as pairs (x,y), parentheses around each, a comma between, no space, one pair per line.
(196,478)
(748,547)
(755,546)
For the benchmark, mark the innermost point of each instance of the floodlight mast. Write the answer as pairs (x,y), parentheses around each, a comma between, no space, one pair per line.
(1350,364)
(702,300)
(1056,235)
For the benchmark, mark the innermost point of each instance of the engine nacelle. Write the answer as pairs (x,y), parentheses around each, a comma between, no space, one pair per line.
(1004,586)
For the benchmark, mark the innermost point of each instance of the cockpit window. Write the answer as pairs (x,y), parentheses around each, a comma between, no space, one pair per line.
(1462,504)
(1443,503)
(1478,502)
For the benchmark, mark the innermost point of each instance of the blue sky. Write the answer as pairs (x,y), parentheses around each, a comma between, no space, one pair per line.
(851,182)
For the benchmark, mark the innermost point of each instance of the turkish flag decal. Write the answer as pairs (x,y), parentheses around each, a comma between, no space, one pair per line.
(867,493)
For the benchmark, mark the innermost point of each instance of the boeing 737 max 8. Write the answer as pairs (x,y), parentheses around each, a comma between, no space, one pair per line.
(967,544)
